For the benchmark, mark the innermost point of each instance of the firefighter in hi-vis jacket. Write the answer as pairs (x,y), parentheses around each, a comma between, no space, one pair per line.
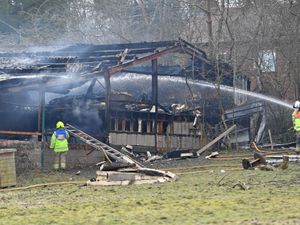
(59,143)
(296,124)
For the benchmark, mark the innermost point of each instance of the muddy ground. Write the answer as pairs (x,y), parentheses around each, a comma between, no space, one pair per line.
(207,192)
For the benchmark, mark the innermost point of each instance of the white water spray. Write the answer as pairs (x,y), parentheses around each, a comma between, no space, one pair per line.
(131,77)
(249,93)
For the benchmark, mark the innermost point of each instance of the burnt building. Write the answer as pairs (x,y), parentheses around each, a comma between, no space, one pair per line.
(142,94)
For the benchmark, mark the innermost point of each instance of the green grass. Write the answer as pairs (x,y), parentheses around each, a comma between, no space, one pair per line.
(201,197)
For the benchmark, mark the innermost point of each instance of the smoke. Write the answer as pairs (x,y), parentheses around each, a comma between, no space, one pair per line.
(88,120)
(18,111)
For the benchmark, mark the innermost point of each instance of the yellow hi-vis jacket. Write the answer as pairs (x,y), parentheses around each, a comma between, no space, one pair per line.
(59,140)
(296,120)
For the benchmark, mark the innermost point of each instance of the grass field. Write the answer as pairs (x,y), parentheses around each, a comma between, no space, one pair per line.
(199,196)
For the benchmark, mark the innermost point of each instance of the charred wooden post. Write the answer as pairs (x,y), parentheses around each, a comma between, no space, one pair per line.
(107,101)
(149,124)
(155,97)
(41,123)
(131,124)
(139,125)
(116,124)
(123,124)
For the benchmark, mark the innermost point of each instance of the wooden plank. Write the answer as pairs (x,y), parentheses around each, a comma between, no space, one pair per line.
(20,132)
(203,149)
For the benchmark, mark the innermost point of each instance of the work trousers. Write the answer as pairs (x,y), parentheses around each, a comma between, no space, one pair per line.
(60,160)
(298,143)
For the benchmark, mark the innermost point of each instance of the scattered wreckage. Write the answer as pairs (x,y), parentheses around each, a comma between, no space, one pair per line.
(183,154)
(269,162)
(126,174)
(119,168)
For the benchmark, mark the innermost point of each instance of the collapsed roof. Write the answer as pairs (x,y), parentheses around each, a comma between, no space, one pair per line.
(59,70)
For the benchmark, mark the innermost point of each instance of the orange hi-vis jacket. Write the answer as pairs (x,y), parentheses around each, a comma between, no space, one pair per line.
(296,120)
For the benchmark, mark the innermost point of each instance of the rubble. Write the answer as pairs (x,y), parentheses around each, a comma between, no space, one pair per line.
(119,169)
(270,162)
(128,176)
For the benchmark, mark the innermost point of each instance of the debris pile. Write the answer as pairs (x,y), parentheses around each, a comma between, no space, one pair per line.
(119,169)
(269,162)
(126,174)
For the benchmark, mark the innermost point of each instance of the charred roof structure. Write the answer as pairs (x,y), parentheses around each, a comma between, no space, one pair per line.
(86,62)
(121,117)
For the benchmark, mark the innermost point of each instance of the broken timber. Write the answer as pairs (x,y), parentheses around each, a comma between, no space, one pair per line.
(203,149)
(115,166)
(131,176)
(107,150)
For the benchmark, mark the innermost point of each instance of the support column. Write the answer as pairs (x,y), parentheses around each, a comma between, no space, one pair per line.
(107,102)
(131,125)
(41,124)
(149,124)
(116,124)
(123,124)
(140,125)
(155,97)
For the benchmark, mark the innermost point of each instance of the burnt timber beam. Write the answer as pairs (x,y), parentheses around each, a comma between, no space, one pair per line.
(109,47)
(81,54)
(193,47)
(174,49)
(119,68)
(137,48)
